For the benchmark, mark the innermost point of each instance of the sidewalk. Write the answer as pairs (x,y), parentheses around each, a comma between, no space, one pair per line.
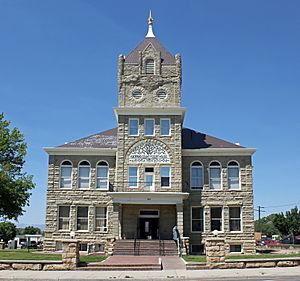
(149,275)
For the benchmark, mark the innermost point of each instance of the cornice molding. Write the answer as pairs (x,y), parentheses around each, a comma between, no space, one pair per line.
(219,152)
(80,151)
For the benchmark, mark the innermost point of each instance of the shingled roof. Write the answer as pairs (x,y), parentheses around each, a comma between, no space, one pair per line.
(190,140)
(133,56)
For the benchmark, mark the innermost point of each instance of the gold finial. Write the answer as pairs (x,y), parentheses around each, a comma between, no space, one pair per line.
(150,22)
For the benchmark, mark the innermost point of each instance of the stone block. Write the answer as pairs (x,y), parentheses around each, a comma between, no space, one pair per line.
(26,266)
(287,263)
(54,267)
(4,266)
(260,264)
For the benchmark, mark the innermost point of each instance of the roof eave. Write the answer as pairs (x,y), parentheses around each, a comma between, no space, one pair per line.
(238,151)
(80,151)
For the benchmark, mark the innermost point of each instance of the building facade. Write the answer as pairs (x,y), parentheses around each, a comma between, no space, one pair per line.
(140,179)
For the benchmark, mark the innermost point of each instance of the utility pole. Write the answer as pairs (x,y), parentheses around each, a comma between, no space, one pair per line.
(259,216)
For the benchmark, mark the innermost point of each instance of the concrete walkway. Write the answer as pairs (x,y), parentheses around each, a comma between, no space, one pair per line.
(265,273)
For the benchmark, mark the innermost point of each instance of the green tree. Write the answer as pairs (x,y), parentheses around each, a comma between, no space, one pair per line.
(15,185)
(32,230)
(8,231)
(288,224)
(266,226)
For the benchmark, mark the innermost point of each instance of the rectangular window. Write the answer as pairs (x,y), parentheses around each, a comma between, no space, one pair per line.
(102,177)
(196,176)
(216,218)
(234,218)
(99,248)
(165,176)
(197,219)
(235,248)
(63,217)
(66,177)
(197,248)
(149,178)
(133,176)
(164,127)
(149,127)
(133,127)
(82,218)
(101,219)
(83,247)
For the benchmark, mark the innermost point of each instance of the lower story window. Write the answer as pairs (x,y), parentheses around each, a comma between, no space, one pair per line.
(216,218)
(165,176)
(58,246)
(197,248)
(99,248)
(83,247)
(235,248)
(101,219)
(82,218)
(197,219)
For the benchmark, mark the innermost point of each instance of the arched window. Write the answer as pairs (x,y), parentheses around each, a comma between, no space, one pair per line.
(102,175)
(215,175)
(233,171)
(66,174)
(196,175)
(84,174)
(149,66)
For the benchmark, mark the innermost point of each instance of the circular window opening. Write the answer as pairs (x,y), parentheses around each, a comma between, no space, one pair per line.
(161,94)
(137,94)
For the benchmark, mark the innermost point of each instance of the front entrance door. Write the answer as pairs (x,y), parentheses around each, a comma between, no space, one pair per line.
(149,228)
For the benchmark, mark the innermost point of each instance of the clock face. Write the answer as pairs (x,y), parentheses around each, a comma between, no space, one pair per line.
(149,152)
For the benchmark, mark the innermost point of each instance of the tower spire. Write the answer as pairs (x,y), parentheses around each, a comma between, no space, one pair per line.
(150,31)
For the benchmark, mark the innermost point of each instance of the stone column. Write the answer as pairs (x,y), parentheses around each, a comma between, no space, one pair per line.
(116,220)
(70,255)
(215,252)
(179,212)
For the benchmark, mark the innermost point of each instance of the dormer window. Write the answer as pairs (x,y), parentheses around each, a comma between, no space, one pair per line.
(149,66)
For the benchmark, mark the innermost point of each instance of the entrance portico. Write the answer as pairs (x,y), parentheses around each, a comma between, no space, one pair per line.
(147,215)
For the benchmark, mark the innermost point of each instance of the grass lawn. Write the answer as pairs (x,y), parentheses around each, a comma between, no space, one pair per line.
(264,256)
(92,258)
(192,258)
(23,254)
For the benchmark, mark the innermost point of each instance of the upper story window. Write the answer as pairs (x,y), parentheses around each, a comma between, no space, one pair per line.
(64,217)
(102,175)
(82,218)
(233,170)
(149,66)
(149,127)
(165,127)
(215,175)
(196,175)
(165,176)
(133,127)
(133,176)
(66,174)
(84,170)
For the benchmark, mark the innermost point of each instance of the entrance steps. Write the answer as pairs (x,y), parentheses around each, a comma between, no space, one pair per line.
(141,247)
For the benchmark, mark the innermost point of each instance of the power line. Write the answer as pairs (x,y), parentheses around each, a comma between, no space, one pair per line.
(279,206)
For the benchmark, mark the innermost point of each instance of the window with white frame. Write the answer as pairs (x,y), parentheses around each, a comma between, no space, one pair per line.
(215,175)
(133,127)
(66,174)
(165,127)
(196,175)
(233,170)
(102,175)
(197,219)
(149,127)
(84,170)
(133,176)
(101,219)
(63,217)
(149,66)
(234,218)
(165,176)
(82,218)
(216,218)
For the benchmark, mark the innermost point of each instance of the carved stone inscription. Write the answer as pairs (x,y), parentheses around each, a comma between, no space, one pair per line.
(149,152)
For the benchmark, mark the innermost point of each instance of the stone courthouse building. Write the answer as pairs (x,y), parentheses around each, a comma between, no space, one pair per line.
(140,179)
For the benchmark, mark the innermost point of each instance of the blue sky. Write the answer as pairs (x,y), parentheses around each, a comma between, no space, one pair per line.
(241,70)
